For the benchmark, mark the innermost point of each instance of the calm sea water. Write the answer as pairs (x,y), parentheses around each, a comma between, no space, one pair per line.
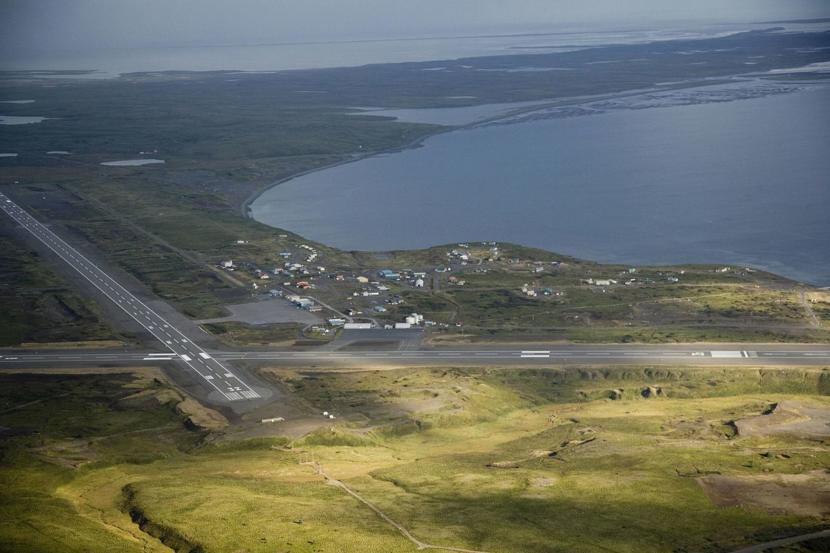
(744,182)
(279,56)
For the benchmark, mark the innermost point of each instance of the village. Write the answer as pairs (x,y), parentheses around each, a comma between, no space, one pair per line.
(401,298)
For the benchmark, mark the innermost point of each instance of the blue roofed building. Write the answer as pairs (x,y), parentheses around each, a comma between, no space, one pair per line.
(388,274)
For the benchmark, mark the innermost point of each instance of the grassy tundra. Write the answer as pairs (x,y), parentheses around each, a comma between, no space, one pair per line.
(491,460)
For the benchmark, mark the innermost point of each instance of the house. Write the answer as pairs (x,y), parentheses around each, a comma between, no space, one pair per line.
(460,254)
(419,283)
(227,264)
(363,280)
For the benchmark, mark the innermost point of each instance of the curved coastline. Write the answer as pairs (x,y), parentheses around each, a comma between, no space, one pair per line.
(245,207)
(516,114)
(418,142)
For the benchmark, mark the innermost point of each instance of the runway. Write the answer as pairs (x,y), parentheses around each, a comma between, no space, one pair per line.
(760,355)
(217,375)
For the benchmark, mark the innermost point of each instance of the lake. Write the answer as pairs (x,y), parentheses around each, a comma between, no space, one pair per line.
(742,182)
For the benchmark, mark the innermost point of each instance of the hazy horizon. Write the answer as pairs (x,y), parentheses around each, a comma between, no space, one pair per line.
(31,27)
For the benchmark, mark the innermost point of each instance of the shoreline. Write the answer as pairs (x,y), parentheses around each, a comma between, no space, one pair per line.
(245,207)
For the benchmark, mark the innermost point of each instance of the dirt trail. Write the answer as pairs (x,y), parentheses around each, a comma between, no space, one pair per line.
(759,548)
(815,322)
(406,533)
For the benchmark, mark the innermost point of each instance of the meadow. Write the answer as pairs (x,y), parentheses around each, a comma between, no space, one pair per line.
(558,459)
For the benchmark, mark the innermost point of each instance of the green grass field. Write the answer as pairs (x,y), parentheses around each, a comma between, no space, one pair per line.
(534,460)
(270,334)
(38,306)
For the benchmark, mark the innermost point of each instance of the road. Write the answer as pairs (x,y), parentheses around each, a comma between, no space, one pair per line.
(214,373)
(212,366)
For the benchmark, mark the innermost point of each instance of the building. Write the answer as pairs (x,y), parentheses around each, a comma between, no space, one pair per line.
(305,303)
(388,274)
(601,281)
(414,319)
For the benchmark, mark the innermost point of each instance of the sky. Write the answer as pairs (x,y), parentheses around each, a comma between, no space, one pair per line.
(60,25)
